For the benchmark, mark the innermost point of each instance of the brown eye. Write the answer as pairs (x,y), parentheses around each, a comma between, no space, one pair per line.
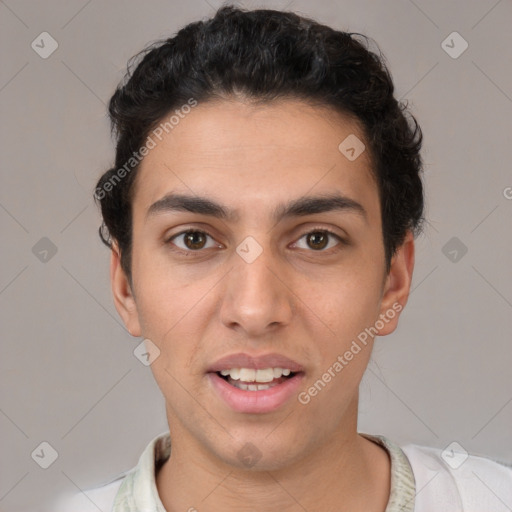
(192,241)
(195,239)
(317,239)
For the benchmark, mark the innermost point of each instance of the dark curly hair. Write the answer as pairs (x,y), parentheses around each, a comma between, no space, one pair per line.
(264,55)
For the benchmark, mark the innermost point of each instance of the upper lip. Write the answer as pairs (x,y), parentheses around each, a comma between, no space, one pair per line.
(260,362)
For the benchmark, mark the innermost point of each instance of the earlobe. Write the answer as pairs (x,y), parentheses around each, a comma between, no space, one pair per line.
(398,284)
(124,299)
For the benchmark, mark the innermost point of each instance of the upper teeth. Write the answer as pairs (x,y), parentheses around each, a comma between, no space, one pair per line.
(251,375)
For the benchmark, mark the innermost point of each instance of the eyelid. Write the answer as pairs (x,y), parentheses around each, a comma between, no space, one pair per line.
(327,230)
(168,240)
(204,231)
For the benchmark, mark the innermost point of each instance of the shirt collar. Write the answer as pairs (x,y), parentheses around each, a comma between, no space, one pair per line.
(138,491)
(403,486)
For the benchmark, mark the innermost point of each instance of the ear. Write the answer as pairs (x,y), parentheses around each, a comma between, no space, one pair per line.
(124,298)
(397,285)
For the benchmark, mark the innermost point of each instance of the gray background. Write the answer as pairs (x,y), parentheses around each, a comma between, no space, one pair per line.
(68,373)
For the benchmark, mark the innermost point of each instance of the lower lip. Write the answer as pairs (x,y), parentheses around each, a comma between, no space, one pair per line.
(266,400)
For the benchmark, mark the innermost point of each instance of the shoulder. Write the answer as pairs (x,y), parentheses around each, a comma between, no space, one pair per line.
(454,480)
(91,500)
(120,492)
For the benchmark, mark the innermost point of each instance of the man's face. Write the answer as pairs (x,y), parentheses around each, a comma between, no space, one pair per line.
(257,289)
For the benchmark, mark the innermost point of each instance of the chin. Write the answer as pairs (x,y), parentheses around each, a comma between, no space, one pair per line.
(259,453)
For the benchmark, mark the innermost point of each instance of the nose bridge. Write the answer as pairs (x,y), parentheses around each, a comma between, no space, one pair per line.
(256,298)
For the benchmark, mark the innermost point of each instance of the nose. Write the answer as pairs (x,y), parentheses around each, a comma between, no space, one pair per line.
(257,299)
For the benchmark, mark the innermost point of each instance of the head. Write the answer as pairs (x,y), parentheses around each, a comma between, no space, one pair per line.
(277,130)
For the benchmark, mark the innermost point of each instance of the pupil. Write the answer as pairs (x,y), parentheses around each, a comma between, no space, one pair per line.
(318,237)
(192,238)
(318,240)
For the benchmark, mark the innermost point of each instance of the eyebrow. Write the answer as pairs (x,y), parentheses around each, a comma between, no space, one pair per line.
(300,207)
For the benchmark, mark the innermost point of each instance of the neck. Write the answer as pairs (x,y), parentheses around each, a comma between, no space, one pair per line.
(345,472)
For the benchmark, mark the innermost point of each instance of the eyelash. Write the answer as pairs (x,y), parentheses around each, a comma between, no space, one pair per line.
(314,230)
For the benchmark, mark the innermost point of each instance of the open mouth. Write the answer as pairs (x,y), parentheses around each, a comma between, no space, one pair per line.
(248,379)
(255,384)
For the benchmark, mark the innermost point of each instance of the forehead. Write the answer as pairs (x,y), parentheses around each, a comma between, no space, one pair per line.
(259,155)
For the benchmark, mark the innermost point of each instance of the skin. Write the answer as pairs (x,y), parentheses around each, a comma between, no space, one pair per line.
(295,299)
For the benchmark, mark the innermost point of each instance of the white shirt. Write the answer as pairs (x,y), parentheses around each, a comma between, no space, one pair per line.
(422,480)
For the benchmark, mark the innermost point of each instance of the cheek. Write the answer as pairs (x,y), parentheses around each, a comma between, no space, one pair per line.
(350,308)
(163,294)
(172,315)
(347,302)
